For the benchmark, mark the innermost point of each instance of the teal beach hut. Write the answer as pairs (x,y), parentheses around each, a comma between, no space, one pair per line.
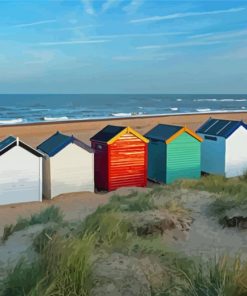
(174,152)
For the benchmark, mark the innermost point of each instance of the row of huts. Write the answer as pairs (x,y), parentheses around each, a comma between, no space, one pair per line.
(118,157)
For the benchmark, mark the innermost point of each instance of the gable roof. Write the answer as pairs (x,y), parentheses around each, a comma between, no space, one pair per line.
(10,142)
(111,133)
(220,127)
(6,142)
(167,133)
(57,142)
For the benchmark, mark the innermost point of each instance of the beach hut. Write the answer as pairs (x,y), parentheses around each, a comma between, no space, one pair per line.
(224,147)
(20,172)
(120,158)
(68,165)
(173,153)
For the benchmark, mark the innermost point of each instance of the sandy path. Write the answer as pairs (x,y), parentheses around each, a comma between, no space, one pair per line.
(75,206)
(207,238)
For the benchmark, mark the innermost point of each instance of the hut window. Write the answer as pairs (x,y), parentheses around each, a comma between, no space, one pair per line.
(211,138)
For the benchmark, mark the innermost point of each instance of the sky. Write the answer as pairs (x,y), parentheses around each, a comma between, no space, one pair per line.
(123,46)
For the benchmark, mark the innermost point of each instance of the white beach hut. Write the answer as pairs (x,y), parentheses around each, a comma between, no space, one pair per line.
(223,147)
(20,172)
(68,165)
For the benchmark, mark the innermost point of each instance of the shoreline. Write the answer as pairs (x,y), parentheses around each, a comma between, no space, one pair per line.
(138,116)
(35,133)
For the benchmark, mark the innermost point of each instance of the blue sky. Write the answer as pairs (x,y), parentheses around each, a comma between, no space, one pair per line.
(123,46)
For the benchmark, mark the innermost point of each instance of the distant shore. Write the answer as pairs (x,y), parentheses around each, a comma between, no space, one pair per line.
(35,133)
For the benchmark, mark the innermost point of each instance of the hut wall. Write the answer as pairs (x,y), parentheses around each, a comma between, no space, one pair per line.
(183,158)
(71,170)
(127,162)
(157,161)
(100,165)
(20,176)
(213,155)
(236,153)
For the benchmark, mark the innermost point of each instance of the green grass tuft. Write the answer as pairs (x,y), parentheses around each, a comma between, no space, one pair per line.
(43,238)
(21,280)
(51,214)
(232,193)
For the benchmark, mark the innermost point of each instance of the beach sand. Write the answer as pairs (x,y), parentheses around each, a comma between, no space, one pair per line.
(34,134)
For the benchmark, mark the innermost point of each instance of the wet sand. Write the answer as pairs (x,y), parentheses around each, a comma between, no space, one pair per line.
(34,134)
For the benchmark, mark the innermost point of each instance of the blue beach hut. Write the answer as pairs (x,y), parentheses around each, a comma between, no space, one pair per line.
(224,147)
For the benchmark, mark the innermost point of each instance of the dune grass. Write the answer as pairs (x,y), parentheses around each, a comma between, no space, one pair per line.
(21,280)
(219,277)
(231,193)
(65,265)
(51,214)
(218,184)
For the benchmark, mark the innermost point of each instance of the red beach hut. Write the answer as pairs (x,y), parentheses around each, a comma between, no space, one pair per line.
(120,158)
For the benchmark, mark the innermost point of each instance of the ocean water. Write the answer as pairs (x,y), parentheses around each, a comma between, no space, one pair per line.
(37,108)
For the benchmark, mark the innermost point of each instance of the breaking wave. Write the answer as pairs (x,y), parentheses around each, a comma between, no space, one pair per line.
(11,121)
(56,118)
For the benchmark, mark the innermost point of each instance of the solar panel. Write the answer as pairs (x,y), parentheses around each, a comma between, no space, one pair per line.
(231,127)
(221,130)
(216,127)
(219,127)
(206,125)
(213,123)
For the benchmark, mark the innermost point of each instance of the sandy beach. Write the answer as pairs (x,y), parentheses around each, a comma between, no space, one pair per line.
(33,134)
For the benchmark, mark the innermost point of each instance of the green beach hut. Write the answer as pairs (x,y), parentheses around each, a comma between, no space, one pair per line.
(174,152)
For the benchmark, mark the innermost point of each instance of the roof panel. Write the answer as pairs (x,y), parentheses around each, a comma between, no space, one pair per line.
(55,143)
(163,132)
(6,142)
(220,127)
(107,133)
(206,125)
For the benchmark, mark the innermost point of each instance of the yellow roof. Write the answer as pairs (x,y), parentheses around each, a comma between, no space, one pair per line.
(181,131)
(126,131)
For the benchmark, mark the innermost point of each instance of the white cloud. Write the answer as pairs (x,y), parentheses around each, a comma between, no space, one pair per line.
(219,35)
(234,54)
(40,56)
(186,14)
(133,6)
(200,35)
(88,6)
(72,42)
(74,28)
(34,24)
(139,35)
(156,57)
(108,4)
(180,44)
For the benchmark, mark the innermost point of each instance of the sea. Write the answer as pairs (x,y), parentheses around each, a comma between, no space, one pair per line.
(20,109)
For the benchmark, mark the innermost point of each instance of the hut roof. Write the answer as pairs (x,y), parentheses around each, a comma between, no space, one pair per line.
(220,127)
(107,133)
(58,141)
(111,133)
(167,133)
(6,142)
(10,142)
